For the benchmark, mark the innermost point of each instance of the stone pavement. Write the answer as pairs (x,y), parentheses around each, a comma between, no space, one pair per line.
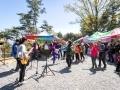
(79,77)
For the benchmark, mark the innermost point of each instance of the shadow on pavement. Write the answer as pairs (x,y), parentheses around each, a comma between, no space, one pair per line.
(65,70)
(6,73)
(50,65)
(11,86)
(118,73)
(110,63)
(93,71)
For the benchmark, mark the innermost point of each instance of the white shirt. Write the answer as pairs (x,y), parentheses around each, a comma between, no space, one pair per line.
(46,47)
(22,51)
(57,51)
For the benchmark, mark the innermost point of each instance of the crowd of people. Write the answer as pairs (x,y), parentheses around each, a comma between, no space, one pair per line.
(104,52)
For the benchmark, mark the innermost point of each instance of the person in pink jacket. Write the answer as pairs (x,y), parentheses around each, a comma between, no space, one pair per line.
(94,55)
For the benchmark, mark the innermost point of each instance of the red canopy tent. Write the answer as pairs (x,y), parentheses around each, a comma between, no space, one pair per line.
(31,37)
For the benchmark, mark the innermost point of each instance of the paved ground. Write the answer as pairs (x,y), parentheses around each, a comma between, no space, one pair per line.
(79,77)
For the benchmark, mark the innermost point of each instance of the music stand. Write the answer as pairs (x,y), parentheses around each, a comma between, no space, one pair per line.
(46,67)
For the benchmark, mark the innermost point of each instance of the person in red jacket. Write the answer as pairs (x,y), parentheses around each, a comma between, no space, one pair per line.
(77,52)
(94,55)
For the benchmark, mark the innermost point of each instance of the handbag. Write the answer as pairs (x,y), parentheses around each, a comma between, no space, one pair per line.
(25,60)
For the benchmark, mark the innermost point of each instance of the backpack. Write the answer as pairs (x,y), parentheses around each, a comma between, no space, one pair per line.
(14,50)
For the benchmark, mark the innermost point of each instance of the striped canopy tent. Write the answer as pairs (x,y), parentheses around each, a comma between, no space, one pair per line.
(98,36)
(114,34)
(95,37)
(45,36)
(78,40)
(86,39)
(31,37)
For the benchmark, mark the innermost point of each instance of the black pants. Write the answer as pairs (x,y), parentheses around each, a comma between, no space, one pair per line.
(102,58)
(94,65)
(18,64)
(118,67)
(82,56)
(111,58)
(86,51)
(77,56)
(22,72)
(60,52)
(72,56)
(69,60)
(64,54)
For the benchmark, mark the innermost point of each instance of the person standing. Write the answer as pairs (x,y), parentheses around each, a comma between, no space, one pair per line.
(111,52)
(102,55)
(52,49)
(60,50)
(86,48)
(117,47)
(69,54)
(77,52)
(63,48)
(15,53)
(94,54)
(35,51)
(22,55)
(46,48)
(82,53)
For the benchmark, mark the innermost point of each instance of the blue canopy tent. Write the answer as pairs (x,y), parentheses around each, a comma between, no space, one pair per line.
(45,36)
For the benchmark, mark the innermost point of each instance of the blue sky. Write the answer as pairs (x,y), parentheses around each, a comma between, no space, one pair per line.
(56,15)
